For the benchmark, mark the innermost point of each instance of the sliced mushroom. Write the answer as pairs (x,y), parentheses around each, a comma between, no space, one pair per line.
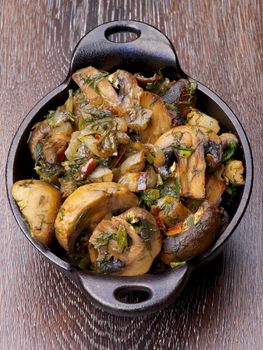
(160,118)
(39,203)
(170,211)
(191,172)
(139,181)
(38,133)
(143,81)
(197,234)
(187,135)
(214,189)
(101,174)
(96,87)
(87,206)
(135,182)
(180,95)
(213,153)
(126,245)
(55,145)
(133,163)
(186,143)
(129,92)
(49,143)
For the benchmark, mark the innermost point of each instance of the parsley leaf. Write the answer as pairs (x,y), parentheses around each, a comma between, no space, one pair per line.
(229,151)
(149,197)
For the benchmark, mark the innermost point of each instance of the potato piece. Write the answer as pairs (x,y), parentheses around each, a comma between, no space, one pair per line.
(198,118)
(234,171)
(214,189)
(39,203)
(87,206)
(160,119)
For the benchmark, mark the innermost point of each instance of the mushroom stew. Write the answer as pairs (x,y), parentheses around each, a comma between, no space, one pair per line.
(132,176)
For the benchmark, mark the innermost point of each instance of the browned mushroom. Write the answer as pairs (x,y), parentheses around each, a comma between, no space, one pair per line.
(180,95)
(87,206)
(197,233)
(39,132)
(39,203)
(160,118)
(188,145)
(125,245)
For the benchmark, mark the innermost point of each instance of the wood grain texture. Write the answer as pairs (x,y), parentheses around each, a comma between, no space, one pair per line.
(218,42)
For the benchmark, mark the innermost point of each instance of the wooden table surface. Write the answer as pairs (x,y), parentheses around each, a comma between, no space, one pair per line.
(218,42)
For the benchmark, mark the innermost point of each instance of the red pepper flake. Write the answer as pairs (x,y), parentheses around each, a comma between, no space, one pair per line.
(176,230)
(60,155)
(88,168)
(117,159)
(98,137)
(160,222)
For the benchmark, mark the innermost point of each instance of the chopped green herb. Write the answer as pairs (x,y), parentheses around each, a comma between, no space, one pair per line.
(149,197)
(171,189)
(160,86)
(191,89)
(232,190)
(94,79)
(198,225)
(229,151)
(190,221)
(195,204)
(82,215)
(132,219)
(171,107)
(103,240)
(182,150)
(84,262)
(38,153)
(177,186)
(98,113)
(122,239)
(57,118)
(61,212)
(177,264)
(150,158)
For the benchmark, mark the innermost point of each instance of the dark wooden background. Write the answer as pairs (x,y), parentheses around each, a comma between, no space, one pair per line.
(220,43)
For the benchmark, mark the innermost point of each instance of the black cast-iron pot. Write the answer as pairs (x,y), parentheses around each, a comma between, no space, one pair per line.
(150,51)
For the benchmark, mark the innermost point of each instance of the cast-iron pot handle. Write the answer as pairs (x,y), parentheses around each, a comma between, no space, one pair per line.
(154,48)
(134,296)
